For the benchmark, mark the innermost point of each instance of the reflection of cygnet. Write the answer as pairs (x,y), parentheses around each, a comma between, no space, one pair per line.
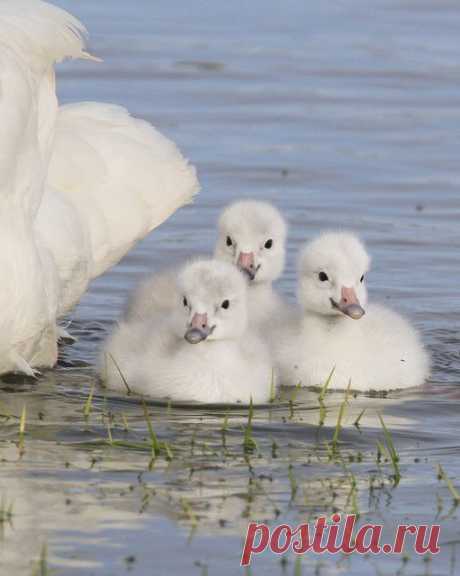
(373,347)
(199,349)
(252,236)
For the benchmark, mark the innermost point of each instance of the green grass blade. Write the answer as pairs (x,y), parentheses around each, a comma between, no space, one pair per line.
(88,404)
(325,386)
(22,429)
(338,426)
(153,437)
(358,419)
(122,376)
(391,450)
(272,388)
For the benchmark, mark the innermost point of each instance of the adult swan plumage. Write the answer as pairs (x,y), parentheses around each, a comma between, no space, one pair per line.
(79,185)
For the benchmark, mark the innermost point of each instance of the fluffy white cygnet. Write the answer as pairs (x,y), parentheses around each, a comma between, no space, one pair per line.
(372,346)
(199,350)
(252,236)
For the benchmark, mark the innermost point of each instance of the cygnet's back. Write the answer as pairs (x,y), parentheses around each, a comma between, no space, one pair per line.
(155,295)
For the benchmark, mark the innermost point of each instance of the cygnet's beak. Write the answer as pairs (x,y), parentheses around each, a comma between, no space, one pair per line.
(246,264)
(349,304)
(198,329)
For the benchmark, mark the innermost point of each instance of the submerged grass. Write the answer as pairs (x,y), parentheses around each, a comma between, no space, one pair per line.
(249,444)
(338,427)
(188,511)
(41,568)
(88,407)
(109,432)
(272,388)
(155,445)
(454,492)
(292,482)
(292,400)
(125,422)
(356,423)
(223,430)
(6,414)
(6,511)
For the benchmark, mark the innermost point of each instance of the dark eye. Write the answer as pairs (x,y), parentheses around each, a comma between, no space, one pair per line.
(323,276)
(269,244)
(225,304)
(185,302)
(229,241)
(362,279)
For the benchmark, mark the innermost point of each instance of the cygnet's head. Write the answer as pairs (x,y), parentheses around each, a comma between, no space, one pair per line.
(252,236)
(332,272)
(211,302)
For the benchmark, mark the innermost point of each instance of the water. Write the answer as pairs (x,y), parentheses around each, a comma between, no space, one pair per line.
(345,114)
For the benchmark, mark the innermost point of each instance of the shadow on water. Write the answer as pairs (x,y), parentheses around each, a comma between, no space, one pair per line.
(345,116)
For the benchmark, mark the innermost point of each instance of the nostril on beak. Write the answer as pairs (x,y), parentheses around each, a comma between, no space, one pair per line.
(199,321)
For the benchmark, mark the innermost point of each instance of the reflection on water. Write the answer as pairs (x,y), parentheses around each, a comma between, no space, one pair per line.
(345,115)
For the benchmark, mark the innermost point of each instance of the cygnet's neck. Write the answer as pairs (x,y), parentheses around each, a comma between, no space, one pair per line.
(262,302)
(325,322)
(260,288)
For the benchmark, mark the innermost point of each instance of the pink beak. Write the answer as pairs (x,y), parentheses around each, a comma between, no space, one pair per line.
(199,321)
(349,304)
(246,264)
(198,329)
